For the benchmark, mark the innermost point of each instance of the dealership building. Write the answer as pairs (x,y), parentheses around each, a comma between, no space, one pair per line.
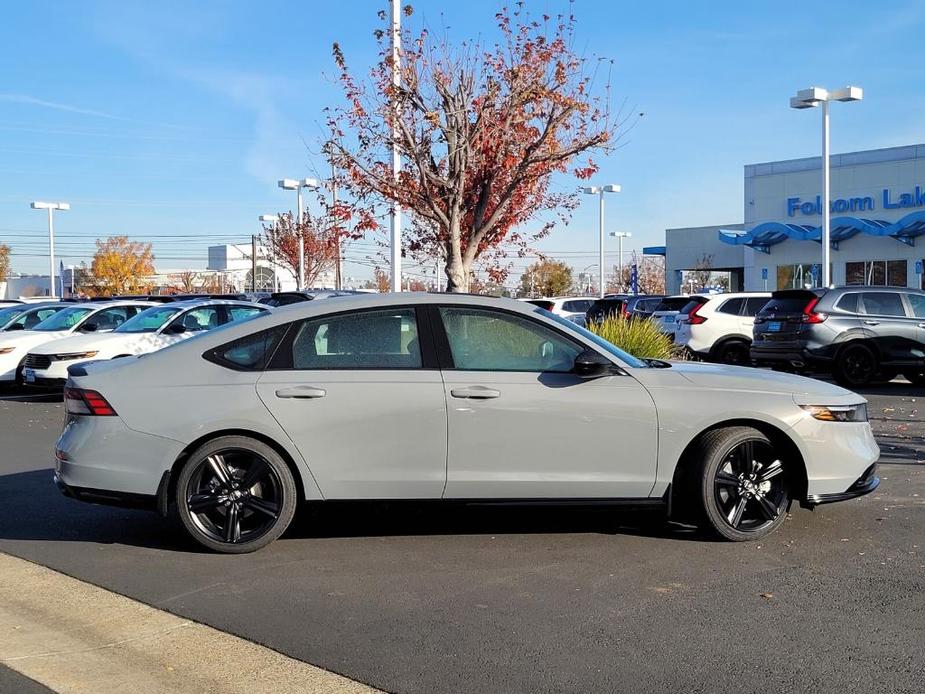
(877,206)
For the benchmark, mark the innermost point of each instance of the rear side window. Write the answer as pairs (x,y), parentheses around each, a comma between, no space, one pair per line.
(236,313)
(849,303)
(733,306)
(754,304)
(646,305)
(366,340)
(577,305)
(883,304)
(249,353)
(918,304)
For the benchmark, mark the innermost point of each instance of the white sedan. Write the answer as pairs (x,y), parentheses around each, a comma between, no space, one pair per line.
(428,396)
(102,316)
(151,330)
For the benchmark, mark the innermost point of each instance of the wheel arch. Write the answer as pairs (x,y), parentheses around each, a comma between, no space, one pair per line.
(725,340)
(169,488)
(682,504)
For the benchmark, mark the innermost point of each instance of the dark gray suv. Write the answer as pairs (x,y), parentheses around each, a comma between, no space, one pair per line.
(858,334)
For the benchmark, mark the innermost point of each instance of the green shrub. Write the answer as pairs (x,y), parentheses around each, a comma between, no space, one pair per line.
(638,336)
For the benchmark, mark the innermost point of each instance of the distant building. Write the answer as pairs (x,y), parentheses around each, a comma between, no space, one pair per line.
(234,263)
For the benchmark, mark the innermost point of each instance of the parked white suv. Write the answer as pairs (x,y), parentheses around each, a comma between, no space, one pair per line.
(565,306)
(718,327)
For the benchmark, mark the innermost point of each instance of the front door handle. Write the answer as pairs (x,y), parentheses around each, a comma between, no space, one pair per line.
(475,393)
(922,325)
(871,322)
(301,392)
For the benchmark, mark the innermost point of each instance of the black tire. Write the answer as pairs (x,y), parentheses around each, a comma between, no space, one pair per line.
(916,378)
(743,489)
(856,365)
(212,503)
(734,353)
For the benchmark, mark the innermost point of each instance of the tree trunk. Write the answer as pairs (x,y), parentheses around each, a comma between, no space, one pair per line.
(457,271)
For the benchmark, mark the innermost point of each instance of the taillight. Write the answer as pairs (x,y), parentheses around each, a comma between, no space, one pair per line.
(626,312)
(810,315)
(86,402)
(694,317)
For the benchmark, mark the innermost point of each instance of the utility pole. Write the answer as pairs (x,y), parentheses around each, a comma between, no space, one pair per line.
(396,160)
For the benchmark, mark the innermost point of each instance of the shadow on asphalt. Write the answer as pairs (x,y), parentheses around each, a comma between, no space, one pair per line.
(36,510)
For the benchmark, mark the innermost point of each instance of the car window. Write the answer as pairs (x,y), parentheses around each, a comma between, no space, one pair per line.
(63,320)
(577,305)
(753,304)
(485,340)
(241,312)
(366,340)
(8,314)
(199,319)
(674,303)
(883,304)
(646,305)
(733,306)
(149,320)
(848,302)
(918,304)
(112,318)
(249,353)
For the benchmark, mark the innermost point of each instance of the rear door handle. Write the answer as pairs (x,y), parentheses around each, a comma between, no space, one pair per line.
(475,393)
(922,325)
(301,392)
(871,322)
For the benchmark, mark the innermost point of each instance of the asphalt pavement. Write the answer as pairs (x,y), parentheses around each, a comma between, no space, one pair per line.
(430,598)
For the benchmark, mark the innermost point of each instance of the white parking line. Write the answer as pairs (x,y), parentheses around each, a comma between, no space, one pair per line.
(72,636)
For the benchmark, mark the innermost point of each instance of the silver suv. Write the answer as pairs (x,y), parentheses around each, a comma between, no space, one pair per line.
(858,334)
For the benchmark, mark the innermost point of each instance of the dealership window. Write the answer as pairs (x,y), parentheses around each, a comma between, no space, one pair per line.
(876,273)
(799,276)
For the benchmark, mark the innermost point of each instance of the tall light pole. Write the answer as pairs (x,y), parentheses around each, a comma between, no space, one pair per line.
(599,191)
(395,235)
(272,219)
(297,186)
(51,207)
(621,235)
(810,98)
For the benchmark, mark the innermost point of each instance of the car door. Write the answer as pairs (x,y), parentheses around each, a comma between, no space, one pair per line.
(522,425)
(885,322)
(360,395)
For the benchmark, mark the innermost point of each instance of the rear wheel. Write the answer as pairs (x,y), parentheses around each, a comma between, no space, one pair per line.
(734,352)
(743,488)
(856,365)
(235,495)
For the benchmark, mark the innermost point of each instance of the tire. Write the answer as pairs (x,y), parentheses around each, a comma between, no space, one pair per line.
(743,489)
(213,505)
(916,378)
(856,365)
(734,353)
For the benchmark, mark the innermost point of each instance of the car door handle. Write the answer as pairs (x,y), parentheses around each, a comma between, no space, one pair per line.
(922,325)
(301,392)
(871,322)
(475,393)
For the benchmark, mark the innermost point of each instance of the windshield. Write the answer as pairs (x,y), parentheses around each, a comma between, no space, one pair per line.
(63,320)
(148,320)
(9,313)
(608,347)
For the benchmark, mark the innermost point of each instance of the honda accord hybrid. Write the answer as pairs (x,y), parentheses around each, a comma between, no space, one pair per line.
(450,397)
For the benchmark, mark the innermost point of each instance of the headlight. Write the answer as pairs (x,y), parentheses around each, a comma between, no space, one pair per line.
(838,413)
(73,355)
(6,350)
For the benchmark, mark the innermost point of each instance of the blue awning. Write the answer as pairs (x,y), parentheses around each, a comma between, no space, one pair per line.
(653,250)
(768,234)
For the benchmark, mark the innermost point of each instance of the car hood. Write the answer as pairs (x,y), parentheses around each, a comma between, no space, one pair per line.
(83,343)
(717,377)
(29,338)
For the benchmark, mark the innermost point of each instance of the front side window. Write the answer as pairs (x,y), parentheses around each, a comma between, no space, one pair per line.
(148,320)
(240,312)
(883,304)
(199,319)
(485,340)
(63,320)
(366,340)
(112,318)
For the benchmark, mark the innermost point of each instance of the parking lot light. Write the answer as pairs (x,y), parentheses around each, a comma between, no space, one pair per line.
(297,186)
(599,191)
(51,207)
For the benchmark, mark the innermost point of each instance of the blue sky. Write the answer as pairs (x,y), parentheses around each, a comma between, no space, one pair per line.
(172,121)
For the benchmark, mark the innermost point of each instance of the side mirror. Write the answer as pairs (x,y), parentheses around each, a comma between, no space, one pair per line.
(591,364)
(175,329)
(17,326)
(88,328)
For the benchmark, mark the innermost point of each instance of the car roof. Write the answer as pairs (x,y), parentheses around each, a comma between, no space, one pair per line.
(95,305)
(193,303)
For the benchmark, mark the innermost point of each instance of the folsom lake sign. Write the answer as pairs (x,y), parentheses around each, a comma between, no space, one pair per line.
(888,201)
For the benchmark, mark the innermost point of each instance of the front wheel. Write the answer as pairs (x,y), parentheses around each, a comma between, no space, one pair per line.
(235,495)
(743,488)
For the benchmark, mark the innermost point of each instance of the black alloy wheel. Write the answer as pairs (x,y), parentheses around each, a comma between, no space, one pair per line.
(744,488)
(856,365)
(734,353)
(235,495)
